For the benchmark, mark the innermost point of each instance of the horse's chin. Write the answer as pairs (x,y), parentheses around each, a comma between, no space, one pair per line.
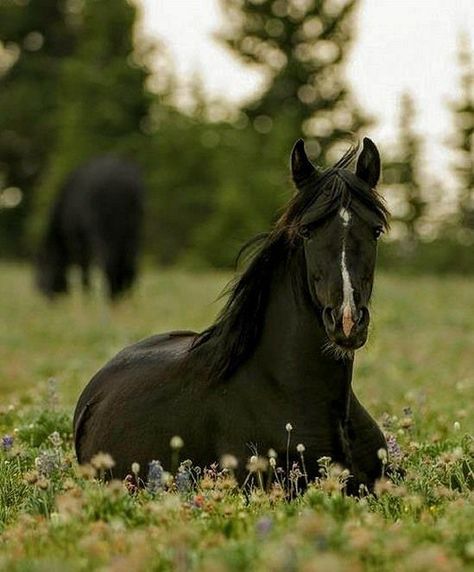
(341,348)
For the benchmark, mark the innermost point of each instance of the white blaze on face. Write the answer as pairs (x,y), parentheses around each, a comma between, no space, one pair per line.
(348,306)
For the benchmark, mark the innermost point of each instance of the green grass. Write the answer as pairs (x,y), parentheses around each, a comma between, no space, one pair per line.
(416,375)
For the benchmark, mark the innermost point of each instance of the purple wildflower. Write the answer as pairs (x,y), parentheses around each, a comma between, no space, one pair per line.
(394,451)
(183,480)
(7,442)
(155,479)
(264,526)
(46,463)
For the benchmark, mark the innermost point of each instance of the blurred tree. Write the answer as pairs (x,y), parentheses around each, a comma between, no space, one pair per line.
(103,104)
(35,38)
(403,170)
(302,46)
(463,111)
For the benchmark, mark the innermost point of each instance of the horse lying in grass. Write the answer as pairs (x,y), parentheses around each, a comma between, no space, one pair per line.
(96,216)
(281,350)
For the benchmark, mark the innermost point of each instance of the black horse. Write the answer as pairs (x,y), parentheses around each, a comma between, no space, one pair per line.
(281,350)
(97,215)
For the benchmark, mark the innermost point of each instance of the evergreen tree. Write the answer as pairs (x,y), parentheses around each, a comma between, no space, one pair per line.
(463,111)
(403,171)
(301,45)
(103,105)
(35,38)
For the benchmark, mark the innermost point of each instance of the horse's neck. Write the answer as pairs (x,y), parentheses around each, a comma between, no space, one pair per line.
(291,348)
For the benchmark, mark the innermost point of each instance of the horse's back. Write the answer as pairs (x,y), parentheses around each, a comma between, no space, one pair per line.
(137,379)
(106,193)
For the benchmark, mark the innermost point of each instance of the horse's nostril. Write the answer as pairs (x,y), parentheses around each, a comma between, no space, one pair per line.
(363,317)
(329,316)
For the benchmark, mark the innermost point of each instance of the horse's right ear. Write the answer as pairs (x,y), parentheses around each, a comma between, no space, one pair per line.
(368,164)
(301,166)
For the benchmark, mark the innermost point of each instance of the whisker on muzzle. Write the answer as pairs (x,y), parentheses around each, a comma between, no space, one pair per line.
(331,349)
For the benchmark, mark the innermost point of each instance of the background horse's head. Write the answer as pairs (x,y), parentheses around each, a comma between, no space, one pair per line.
(340,217)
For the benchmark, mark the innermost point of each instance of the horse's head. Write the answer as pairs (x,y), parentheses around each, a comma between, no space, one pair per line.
(339,224)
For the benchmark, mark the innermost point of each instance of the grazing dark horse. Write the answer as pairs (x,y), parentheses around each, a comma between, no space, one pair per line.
(281,350)
(97,215)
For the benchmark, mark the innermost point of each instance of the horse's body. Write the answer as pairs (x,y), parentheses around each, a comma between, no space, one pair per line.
(233,388)
(96,217)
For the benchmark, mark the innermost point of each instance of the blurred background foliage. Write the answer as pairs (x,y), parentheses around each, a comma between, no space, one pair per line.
(76,81)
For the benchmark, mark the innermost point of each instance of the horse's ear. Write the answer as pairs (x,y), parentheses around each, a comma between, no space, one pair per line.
(301,166)
(368,164)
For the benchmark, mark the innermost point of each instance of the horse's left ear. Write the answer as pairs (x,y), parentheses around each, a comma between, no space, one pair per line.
(301,166)
(368,164)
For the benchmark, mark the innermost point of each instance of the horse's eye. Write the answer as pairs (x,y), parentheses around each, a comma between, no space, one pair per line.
(304,231)
(378,232)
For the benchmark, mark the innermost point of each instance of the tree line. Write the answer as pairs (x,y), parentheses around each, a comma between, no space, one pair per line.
(76,81)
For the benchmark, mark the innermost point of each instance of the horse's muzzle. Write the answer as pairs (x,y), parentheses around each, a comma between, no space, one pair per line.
(347,328)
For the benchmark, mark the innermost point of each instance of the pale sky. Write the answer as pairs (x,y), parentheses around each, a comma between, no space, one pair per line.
(400,45)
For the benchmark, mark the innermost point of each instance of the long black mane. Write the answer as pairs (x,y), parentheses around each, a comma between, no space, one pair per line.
(227,343)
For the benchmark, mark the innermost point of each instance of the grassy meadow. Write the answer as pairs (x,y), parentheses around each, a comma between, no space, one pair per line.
(415,375)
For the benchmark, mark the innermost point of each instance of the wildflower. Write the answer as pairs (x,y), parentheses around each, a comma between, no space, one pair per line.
(257,464)
(31,477)
(155,480)
(42,483)
(129,484)
(450,457)
(7,442)
(289,427)
(46,463)
(456,426)
(276,492)
(86,471)
(135,468)
(183,480)
(229,462)
(272,454)
(300,448)
(382,455)
(393,448)
(331,485)
(102,461)
(383,486)
(69,506)
(176,442)
(295,472)
(272,462)
(264,526)
(55,440)
(198,501)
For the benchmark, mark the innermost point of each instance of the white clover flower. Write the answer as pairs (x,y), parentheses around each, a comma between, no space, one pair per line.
(229,462)
(289,427)
(382,455)
(272,462)
(300,448)
(102,461)
(55,439)
(272,454)
(456,426)
(135,468)
(176,442)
